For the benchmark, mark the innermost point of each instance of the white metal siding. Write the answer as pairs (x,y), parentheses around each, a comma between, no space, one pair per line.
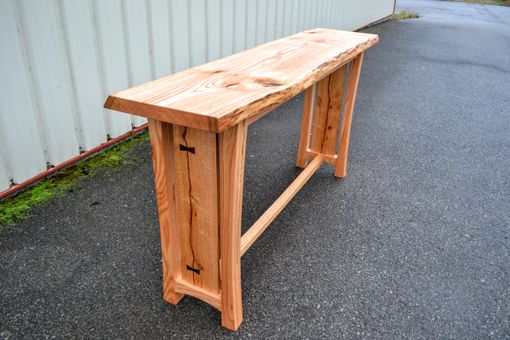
(60,59)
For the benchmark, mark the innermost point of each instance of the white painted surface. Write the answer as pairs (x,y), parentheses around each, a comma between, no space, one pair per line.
(22,150)
(60,59)
(52,85)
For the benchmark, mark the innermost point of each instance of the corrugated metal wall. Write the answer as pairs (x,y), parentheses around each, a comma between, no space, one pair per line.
(60,59)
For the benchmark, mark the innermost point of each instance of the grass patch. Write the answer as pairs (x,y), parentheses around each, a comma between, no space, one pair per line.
(403,15)
(17,208)
(486,2)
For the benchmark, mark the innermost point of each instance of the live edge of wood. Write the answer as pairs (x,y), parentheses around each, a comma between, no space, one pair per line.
(222,93)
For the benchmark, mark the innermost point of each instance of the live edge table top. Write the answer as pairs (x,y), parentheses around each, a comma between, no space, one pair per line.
(222,93)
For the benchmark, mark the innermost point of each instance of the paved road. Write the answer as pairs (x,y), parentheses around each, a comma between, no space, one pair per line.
(415,243)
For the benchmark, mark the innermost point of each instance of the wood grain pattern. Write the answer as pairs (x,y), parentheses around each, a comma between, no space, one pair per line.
(197,206)
(211,298)
(306,125)
(161,137)
(220,94)
(232,148)
(327,112)
(281,202)
(345,130)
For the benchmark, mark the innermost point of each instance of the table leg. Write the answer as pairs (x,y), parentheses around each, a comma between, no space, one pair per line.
(327,112)
(199,186)
(345,131)
(326,117)
(185,170)
(306,125)
(232,148)
(161,136)
(196,197)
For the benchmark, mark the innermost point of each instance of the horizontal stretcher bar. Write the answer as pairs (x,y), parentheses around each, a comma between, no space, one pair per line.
(281,202)
(330,159)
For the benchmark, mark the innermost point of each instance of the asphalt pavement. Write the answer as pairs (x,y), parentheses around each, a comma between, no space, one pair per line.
(413,244)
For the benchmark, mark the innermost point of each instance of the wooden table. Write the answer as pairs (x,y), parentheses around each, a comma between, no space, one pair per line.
(198,121)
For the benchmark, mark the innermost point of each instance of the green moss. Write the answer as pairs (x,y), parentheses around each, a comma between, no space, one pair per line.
(16,208)
(402,15)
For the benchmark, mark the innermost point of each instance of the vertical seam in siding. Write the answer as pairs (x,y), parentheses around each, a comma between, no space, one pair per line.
(340,14)
(343,16)
(301,14)
(266,14)
(256,20)
(275,21)
(277,10)
(299,20)
(126,41)
(221,29)
(232,35)
(234,44)
(331,12)
(150,32)
(71,77)
(245,24)
(234,38)
(6,164)
(308,15)
(127,51)
(98,45)
(313,14)
(295,8)
(317,13)
(171,32)
(191,62)
(282,17)
(333,16)
(206,27)
(34,89)
(325,13)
